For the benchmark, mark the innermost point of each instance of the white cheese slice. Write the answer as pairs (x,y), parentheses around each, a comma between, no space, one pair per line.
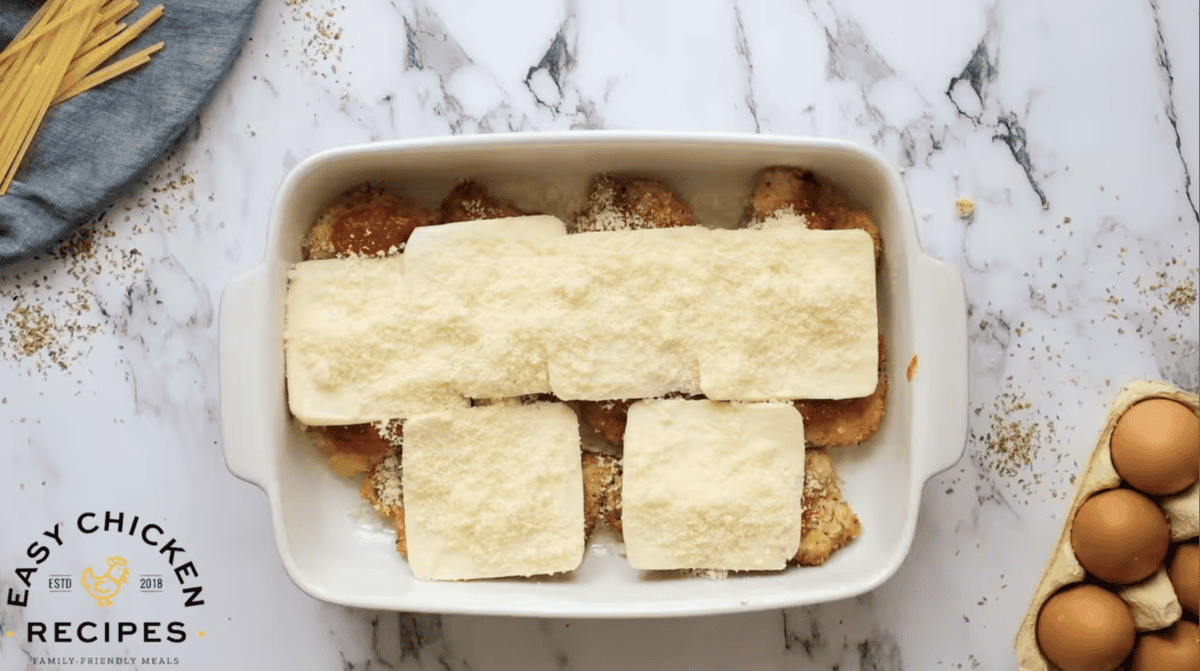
(485,277)
(630,301)
(354,353)
(711,485)
(493,491)
(790,314)
(513,307)
(432,261)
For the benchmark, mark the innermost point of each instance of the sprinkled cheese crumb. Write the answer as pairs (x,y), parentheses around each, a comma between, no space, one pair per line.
(390,430)
(388,488)
(709,573)
(965,207)
(493,491)
(752,521)
(602,214)
(784,217)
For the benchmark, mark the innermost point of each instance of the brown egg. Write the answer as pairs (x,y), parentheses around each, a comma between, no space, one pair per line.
(1085,628)
(1156,446)
(1174,649)
(1184,573)
(1120,536)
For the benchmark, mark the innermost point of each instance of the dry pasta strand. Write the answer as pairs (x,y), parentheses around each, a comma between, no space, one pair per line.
(21,43)
(106,73)
(116,10)
(107,24)
(100,35)
(62,48)
(47,9)
(88,62)
(21,71)
(57,55)
(16,125)
(18,112)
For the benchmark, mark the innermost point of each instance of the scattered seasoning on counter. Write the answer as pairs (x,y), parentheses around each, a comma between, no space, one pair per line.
(1018,453)
(1183,297)
(52,310)
(1011,444)
(53,305)
(33,331)
(323,45)
(1178,294)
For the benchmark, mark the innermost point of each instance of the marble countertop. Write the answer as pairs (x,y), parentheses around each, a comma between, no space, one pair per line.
(1071,126)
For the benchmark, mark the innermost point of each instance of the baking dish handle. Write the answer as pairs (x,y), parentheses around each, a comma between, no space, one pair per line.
(940,382)
(243,370)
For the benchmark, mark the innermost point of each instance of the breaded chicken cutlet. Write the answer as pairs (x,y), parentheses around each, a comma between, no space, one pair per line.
(777,189)
(366,220)
(827,422)
(849,421)
(470,201)
(620,202)
(784,189)
(827,522)
(351,449)
(601,491)
(383,490)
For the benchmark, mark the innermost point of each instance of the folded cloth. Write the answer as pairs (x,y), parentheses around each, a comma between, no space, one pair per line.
(92,148)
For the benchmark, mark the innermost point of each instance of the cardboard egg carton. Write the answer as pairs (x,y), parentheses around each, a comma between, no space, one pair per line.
(1152,601)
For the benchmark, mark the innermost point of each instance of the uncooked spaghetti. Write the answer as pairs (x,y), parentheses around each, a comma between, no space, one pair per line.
(59,54)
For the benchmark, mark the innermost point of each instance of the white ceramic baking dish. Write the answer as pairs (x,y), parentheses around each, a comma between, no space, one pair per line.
(335,550)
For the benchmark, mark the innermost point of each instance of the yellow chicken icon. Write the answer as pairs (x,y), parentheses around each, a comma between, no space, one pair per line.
(105,586)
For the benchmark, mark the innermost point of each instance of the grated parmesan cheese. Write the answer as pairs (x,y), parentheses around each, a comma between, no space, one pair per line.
(602,214)
(471,311)
(493,491)
(710,485)
(388,489)
(355,350)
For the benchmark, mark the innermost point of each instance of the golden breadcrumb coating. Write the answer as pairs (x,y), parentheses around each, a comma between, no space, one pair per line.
(827,523)
(470,201)
(781,188)
(620,202)
(383,490)
(784,189)
(612,501)
(601,473)
(607,418)
(355,448)
(366,220)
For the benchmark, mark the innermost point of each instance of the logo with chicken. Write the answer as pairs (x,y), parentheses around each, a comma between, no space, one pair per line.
(104,587)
